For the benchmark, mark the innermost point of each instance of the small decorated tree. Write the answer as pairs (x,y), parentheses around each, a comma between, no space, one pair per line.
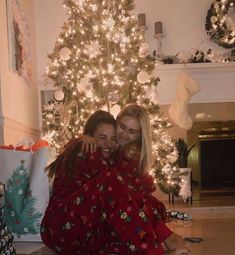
(20,214)
(183,152)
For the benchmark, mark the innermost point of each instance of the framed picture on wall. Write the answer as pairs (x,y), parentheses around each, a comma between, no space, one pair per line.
(19,41)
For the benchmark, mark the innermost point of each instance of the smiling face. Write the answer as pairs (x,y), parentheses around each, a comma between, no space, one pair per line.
(128,129)
(105,136)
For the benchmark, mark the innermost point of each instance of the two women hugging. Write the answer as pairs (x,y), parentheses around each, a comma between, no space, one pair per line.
(102,200)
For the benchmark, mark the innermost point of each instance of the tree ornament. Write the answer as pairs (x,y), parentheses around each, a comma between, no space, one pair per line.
(117,36)
(115,110)
(143,77)
(108,23)
(93,7)
(124,39)
(93,49)
(213,19)
(114,97)
(167,169)
(59,95)
(79,2)
(124,18)
(85,86)
(131,68)
(219,25)
(166,138)
(144,50)
(153,95)
(110,68)
(65,54)
(173,156)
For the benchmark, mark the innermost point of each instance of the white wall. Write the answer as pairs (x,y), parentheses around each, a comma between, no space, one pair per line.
(183,30)
(19,102)
(183,24)
(49,17)
(181,19)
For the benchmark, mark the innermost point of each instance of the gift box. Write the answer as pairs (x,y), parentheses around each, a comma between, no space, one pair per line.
(27,189)
(6,236)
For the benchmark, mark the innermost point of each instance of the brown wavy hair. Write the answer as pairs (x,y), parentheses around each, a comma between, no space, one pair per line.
(71,150)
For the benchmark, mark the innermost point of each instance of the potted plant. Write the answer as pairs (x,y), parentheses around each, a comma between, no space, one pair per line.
(183,153)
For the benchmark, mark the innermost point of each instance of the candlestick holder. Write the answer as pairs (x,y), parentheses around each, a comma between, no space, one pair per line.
(158,37)
(142,22)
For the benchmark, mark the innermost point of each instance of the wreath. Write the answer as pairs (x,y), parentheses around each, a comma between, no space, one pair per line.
(219,25)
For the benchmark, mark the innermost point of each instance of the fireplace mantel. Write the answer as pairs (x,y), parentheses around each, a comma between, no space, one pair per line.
(198,67)
(215,79)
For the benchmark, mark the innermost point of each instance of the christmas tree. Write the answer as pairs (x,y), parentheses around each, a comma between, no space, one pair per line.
(20,214)
(101,61)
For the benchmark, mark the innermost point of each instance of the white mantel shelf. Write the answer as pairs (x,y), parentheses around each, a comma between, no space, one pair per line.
(202,67)
(217,81)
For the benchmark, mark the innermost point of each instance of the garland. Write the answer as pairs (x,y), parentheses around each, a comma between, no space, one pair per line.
(218,25)
(196,56)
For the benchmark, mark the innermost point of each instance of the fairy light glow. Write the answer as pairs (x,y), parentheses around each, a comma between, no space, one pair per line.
(218,25)
(108,44)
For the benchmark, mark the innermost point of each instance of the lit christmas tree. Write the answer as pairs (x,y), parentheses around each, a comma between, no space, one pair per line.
(101,61)
(20,214)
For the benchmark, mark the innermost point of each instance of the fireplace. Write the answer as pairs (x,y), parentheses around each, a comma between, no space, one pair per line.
(217,163)
(213,159)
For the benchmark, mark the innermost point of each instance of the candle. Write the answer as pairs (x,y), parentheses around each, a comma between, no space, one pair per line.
(141,20)
(158,27)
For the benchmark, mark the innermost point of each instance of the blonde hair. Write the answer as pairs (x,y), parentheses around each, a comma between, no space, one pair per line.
(141,114)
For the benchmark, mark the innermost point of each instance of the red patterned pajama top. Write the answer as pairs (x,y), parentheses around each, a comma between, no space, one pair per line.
(104,209)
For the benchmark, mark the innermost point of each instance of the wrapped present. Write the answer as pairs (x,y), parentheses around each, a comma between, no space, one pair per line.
(6,236)
(2,201)
(27,189)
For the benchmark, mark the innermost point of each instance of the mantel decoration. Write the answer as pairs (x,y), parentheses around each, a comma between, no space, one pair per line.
(196,56)
(220,27)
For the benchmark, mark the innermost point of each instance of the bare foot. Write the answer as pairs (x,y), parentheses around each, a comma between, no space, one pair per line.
(176,245)
(178,252)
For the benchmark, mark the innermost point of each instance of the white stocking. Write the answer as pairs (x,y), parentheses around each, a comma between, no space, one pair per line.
(186,87)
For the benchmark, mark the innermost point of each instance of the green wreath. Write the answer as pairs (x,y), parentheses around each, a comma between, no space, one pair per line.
(217,24)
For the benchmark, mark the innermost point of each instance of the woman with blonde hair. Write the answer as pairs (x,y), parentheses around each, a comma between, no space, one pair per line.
(133,124)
